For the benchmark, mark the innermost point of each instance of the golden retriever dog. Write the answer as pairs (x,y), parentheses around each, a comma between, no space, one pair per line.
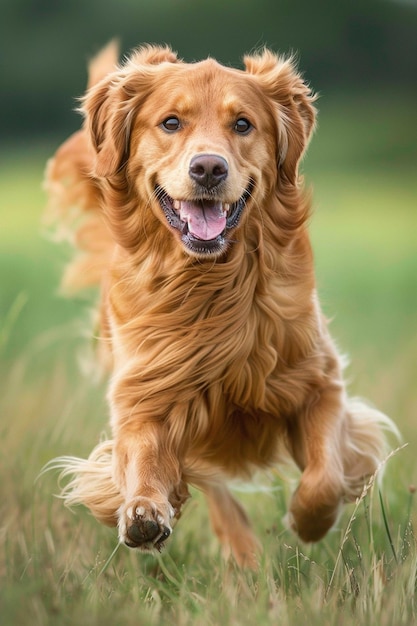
(189,211)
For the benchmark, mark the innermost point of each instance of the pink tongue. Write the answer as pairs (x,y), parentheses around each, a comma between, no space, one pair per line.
(206,219)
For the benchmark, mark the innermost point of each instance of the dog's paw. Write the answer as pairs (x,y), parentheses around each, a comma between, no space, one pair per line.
(312,518)
(144,524)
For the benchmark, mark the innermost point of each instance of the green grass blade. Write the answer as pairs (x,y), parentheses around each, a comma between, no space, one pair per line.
(387,530)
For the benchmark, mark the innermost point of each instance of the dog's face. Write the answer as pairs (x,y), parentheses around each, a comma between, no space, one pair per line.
(200,144)
(206,143)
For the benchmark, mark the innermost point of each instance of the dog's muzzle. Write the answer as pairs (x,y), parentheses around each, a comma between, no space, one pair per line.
(204,224)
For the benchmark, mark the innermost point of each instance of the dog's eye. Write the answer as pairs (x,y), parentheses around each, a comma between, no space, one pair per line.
(242,126)
(171,124)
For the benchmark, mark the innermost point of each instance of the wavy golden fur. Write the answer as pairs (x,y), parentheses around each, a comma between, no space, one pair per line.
(189,211)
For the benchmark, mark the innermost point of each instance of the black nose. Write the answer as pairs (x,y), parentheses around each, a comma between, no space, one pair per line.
(208,170)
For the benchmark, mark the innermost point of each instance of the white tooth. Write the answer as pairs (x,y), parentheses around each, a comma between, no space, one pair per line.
(177,205)
(226,206)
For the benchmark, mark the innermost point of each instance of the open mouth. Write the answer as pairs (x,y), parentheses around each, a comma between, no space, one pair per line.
(203,223)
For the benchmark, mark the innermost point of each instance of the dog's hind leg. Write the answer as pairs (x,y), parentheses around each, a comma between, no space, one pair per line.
(232,526)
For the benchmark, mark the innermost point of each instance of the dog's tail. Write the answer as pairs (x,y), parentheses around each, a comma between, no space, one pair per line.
(74,197)
(91,482)
(365,445)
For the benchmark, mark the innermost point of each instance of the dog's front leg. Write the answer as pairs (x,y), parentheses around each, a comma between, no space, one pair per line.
(316,443)
(148,476)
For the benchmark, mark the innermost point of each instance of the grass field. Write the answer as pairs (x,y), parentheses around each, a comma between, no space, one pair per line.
(59,568)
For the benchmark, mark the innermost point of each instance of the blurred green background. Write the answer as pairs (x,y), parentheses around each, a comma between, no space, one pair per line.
(361,56)
(362,59)
(343,45)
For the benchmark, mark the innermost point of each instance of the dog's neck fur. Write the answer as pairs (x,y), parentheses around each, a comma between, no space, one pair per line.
(214,306)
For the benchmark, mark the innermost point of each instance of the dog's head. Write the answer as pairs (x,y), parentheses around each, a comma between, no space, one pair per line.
(198,144)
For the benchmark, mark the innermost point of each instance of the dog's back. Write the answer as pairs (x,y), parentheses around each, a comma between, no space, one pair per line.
(74,198)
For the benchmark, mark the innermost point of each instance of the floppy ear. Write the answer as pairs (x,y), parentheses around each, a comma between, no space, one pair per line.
(293,103)
(109,107)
